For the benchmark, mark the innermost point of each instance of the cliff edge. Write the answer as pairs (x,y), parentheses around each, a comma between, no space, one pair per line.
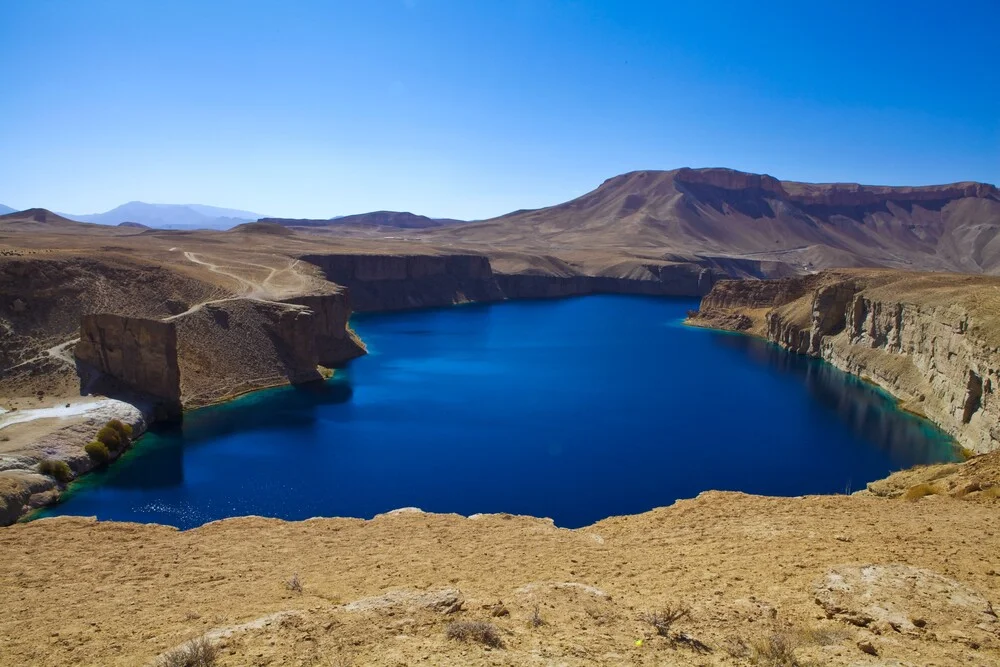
(929,339)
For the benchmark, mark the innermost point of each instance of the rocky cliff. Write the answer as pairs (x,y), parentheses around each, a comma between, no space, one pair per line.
(334,339)
(141,353)
(399,282)
(236,345)
(929,339)
(220,348)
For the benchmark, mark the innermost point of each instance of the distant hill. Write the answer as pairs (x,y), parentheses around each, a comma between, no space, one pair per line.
(170,216)
(39,218)
(724,213)
(6,209)
(390,219)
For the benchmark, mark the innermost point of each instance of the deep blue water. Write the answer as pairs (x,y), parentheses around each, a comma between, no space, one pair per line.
(574,409)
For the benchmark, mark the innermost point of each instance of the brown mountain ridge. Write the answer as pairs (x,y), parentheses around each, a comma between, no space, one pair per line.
(728,213)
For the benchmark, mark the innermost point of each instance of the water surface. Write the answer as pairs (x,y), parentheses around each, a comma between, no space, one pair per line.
(574,409)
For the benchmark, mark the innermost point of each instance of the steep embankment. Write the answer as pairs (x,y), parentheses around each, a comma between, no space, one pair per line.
(931,340)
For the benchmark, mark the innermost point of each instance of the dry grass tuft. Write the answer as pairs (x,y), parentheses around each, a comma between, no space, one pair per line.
(536,619)
(480,632)
(664,619)
(776,649)
(294,584)
(200,652)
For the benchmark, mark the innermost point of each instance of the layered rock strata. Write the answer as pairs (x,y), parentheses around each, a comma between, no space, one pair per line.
(222,348)
(139,352)
(400,282)
(929,339)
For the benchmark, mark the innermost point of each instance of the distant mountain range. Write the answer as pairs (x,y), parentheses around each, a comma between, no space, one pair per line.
(6,209)
(170,216)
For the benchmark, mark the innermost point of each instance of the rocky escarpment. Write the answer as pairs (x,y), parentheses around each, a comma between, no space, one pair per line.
(929,339)
(236,345)
(141,353)
(220,348)
(399,282)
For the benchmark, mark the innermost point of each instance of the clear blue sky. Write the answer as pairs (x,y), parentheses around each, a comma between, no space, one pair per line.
(472,108)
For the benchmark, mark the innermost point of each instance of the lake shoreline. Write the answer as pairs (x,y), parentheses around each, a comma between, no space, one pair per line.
(401,322)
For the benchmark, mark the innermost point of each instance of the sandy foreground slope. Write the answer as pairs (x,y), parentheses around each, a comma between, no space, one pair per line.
(824,580)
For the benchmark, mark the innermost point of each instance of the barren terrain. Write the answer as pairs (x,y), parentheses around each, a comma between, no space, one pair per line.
(834,580)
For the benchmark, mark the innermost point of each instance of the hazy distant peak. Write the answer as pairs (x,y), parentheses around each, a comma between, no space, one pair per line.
(6,209)
(171,216)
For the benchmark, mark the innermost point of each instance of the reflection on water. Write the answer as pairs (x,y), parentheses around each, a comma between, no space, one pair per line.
(158,461)
(860,405)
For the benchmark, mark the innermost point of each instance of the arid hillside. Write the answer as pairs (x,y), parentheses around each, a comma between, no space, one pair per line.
(725,213)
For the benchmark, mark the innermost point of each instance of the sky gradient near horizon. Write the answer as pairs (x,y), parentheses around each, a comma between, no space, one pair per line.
(473,109)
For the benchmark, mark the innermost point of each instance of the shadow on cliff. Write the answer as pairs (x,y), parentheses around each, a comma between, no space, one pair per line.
(866,410)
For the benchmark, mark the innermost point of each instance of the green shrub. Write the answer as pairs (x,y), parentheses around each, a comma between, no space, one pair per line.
(55,468)
(110,437)
(124,430)
(98,452)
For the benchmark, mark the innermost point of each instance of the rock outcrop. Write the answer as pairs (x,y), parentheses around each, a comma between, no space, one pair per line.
(221,348)
(334,339)
(400,282)
(237,345)
(929,339)
(139,352)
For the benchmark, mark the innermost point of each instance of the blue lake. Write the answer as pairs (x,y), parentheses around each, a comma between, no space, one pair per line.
(573,409)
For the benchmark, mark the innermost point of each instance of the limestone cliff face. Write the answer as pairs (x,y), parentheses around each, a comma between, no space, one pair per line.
(141,353)
(222,348)
(236,345)
(335,341)
(929,339)
(400,282)
(658,280)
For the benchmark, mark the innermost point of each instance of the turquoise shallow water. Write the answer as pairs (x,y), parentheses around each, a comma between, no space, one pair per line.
(575,409)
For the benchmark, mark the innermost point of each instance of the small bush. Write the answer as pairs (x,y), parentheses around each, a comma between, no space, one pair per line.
(536,619)
(199,652)
(664,620)
(294,584)
(110,437)
(98,452)
(486,634)
(58,469)
(124,430)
